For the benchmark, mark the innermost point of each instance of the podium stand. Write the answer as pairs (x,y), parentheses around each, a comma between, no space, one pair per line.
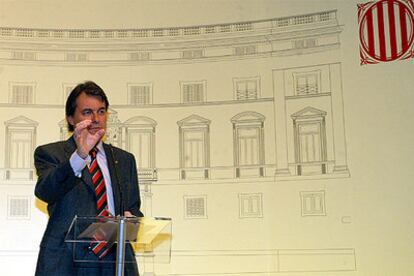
(143,236)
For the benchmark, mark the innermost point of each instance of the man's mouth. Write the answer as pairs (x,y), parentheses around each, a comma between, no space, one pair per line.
(94,128)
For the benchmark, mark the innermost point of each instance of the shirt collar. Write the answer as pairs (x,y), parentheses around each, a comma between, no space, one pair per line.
(100,148)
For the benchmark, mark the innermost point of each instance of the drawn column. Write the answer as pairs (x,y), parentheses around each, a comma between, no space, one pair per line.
(279,105)
(338,119)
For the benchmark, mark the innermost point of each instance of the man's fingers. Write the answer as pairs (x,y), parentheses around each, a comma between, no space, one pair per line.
(84,138)
(83,124)
(128,214)
(100,133)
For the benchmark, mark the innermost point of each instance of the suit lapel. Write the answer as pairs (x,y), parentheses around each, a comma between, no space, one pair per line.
(114,183)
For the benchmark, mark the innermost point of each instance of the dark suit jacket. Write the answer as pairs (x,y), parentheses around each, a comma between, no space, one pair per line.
(69,196)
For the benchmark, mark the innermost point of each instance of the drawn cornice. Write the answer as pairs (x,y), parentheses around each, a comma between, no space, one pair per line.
(170,34)
(248,116)
(21,120)
(140,120)
(308,112)
(193,120)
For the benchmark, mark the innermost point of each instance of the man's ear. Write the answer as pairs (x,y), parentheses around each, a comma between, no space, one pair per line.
(70,120)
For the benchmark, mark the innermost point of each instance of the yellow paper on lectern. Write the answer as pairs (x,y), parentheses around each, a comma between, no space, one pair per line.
(150,233)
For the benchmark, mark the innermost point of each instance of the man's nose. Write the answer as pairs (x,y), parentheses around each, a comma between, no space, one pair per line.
(94,117)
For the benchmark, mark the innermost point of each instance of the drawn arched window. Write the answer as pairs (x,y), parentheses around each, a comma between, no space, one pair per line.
(194,134)
(20,144)
(140,134)
(310,141)
(248,141)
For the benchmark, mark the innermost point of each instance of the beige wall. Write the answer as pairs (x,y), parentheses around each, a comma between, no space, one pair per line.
(363,113)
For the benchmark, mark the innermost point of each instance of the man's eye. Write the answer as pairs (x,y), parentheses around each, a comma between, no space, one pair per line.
(102,112)
(86,113)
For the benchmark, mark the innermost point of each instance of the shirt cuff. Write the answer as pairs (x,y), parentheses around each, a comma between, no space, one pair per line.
(78,163)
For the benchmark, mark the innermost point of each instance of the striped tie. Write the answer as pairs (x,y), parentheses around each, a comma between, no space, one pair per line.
(100,248)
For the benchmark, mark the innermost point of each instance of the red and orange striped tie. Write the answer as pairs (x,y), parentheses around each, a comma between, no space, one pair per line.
(100,248)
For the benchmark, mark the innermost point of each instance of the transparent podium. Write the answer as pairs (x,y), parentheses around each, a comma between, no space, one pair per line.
(124,237)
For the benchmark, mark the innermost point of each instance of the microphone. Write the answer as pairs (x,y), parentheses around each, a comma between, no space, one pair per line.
(121,195)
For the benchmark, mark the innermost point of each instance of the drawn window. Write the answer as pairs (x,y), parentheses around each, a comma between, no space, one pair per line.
(246,89)
(20,141)
(140,94)
(141,141)
(245,50)
(310,141)
(190,54)
(76,57)
(248,144)
(20,149)
(193,92)
(139,56)
(22,93)
(248,140)
(194,148)
(18,207)
(307,83)
(304,43)
(140,146)
(251,205)
(195,206)
(24,55)
(313,203)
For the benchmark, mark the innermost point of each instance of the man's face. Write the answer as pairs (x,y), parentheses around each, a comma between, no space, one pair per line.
(89,108)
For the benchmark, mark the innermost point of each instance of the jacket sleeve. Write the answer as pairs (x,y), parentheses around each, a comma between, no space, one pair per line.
(55,176)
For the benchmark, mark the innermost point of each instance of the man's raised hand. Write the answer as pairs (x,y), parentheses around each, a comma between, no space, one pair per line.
(85,138)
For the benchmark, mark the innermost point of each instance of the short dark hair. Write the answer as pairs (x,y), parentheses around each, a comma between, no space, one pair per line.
(89,88)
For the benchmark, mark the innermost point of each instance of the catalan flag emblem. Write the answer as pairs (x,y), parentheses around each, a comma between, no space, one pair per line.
(386,30)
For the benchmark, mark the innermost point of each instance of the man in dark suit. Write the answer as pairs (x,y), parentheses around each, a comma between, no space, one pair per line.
(68,179)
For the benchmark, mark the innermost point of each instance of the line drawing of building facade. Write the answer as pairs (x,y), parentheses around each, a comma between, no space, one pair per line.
(238,130)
